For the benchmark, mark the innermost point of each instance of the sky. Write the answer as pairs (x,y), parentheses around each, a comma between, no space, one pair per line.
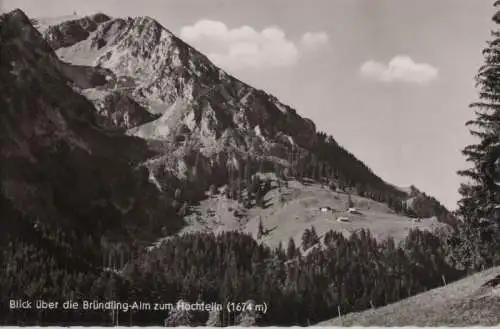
(390,80)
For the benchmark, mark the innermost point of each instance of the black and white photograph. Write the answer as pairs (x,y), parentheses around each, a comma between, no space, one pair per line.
(235,163)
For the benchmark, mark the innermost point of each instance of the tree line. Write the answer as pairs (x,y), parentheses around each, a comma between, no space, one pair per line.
(340,273)
(475,244)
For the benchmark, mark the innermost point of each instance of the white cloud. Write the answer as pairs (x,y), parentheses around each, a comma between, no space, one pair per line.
(244,47)
(314,40)
(400,69)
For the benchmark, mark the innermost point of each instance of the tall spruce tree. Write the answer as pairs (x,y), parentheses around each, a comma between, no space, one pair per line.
(478,241)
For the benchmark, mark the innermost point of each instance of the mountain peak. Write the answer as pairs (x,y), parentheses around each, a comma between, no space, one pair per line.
(197,106)
(15,14)
(16,24)
(72,31)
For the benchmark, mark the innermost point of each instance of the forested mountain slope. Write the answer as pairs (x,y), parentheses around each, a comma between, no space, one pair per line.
(112,131)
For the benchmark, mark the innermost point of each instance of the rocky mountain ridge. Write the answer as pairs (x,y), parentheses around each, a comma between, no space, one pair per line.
(199,106)
(159,69)
(60,170)
(188,124)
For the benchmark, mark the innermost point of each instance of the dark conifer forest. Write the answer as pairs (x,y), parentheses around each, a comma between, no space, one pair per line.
(348,274)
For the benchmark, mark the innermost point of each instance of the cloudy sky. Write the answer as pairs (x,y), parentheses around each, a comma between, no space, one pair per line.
(391,80)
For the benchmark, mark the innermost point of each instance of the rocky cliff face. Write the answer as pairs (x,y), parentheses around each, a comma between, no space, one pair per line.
(70,32)
(104,129)
(59,167)
(211,110)
(117,111)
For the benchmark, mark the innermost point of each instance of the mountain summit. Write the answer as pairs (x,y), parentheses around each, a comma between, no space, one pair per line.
(202,112)
(118,94)
(210,109)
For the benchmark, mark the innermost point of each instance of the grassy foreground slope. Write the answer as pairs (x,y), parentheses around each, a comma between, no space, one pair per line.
(463,303)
